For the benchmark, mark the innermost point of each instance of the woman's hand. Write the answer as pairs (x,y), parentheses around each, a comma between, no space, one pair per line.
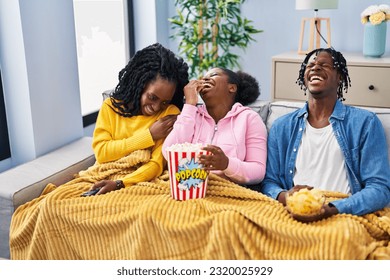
(191,91)
(162,127)
(216,160)
(105,186)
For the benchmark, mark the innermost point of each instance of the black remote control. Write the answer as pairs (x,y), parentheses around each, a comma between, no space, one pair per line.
(91,192)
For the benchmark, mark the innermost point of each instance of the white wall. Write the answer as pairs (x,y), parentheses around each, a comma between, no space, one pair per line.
(15,83)
(40,80)
(151,22)
(281,24)
(145,23)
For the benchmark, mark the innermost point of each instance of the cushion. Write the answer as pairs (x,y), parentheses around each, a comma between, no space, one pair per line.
(280,108)
(261,107)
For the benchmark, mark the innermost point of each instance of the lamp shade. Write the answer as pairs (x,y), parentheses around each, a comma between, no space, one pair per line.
(316,4)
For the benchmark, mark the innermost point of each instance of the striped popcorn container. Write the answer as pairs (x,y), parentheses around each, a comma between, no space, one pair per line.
(188,179)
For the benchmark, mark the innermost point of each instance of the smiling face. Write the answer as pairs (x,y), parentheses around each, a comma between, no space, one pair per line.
(216,86)
(156,96)
(321,78)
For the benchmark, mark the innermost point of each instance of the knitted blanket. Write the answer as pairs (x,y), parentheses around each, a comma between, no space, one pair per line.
(144,222)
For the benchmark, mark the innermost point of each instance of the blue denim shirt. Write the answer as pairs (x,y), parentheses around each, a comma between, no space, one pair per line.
(362,139)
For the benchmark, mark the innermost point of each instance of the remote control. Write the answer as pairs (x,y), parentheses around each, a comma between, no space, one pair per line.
(91,192)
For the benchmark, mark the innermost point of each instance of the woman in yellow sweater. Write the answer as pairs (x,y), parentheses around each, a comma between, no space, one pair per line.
(140,113)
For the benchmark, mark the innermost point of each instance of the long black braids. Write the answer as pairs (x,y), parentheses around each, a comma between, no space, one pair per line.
(339,63)
(148,64)
(248,89)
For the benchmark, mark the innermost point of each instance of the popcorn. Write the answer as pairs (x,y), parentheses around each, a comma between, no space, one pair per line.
(305,202)
(188,179)
(185,147)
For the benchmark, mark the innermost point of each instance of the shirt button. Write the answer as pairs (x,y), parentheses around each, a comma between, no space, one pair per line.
(290,171)
(295,150)
(300,129)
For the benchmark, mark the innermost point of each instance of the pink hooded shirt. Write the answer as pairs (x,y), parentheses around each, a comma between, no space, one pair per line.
(241,134)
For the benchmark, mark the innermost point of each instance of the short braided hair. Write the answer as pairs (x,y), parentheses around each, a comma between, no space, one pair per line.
(148,64)
(339,63)
(248,89)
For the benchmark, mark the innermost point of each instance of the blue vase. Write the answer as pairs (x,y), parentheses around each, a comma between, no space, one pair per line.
(374,41)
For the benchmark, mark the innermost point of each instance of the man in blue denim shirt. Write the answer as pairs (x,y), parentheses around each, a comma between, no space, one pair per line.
(328,145)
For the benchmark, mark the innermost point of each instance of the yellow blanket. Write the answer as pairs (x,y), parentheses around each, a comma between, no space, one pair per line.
(144,222)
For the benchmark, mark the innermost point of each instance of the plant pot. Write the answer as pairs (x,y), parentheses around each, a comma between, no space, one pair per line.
(374,41)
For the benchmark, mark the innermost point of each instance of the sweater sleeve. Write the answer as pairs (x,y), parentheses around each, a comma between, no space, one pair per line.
(106,146)
(251,170)
(183,129)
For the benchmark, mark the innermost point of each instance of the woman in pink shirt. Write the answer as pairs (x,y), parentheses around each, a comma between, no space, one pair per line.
(234,134)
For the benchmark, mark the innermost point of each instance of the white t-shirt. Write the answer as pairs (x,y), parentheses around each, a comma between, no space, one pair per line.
(320,162)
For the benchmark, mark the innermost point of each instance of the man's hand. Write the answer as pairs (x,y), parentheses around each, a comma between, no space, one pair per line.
(282,195)
(326,211)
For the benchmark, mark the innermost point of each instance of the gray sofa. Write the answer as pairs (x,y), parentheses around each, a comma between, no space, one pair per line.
(25,182)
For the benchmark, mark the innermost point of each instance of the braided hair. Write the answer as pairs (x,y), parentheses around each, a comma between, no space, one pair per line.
(339,63)
(248,89)
(148,64)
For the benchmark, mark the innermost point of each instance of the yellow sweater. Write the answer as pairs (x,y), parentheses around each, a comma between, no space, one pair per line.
(116,136)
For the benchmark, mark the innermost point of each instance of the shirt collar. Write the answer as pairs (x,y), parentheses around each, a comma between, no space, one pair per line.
(338,111)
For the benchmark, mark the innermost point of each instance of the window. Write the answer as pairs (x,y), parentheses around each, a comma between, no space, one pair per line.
(5,151)
(104,37)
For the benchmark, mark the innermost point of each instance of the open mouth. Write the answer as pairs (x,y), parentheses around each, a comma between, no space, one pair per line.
(315,78)
(209,84)
(149,110)
(205,87)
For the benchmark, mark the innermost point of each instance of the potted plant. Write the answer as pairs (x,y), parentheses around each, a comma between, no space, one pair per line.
(208,31)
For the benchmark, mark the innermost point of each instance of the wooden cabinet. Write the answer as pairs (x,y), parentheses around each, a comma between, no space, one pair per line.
(370,79)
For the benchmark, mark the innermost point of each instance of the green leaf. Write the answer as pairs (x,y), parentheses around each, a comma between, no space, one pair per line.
(233,31)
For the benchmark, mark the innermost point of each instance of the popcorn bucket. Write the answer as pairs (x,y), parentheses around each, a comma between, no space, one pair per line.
(188,179)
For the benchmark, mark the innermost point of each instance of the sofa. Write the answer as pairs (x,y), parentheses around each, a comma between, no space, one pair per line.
(25,182)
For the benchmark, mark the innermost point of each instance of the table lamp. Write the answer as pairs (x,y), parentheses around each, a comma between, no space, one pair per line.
(314,23)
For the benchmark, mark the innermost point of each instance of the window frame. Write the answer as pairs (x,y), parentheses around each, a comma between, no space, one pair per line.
(90,118)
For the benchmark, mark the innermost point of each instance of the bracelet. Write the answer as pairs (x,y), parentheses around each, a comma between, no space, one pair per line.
(119,184)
